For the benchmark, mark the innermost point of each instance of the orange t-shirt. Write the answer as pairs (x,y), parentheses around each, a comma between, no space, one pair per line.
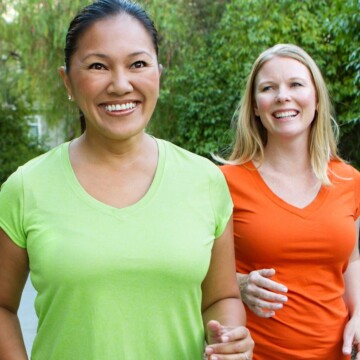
(309,248)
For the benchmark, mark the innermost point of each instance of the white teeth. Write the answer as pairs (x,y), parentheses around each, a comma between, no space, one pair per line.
(119,107)
(285,114)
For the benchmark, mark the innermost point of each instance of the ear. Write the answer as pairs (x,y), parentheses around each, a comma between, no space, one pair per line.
(66,80)
(160,69)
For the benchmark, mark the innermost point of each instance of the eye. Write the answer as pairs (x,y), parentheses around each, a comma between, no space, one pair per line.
(267,88)
(296,84)
(138,64)
(97,66)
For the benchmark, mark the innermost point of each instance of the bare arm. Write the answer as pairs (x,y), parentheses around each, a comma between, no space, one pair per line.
(221,302)
(352,298)
(14,269)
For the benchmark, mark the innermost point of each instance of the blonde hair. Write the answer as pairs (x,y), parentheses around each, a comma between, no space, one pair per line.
(251,136)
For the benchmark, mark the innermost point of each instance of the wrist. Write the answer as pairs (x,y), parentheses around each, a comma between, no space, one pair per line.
(242,280)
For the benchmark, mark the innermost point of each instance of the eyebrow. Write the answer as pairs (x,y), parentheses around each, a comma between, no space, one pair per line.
(271,81)
(104,56)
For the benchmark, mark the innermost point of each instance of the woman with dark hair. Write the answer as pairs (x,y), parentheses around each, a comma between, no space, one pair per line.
(128,238)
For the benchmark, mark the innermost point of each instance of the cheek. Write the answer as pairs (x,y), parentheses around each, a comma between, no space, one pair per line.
(87,86)
(262,103)
(152,83)
(310,101)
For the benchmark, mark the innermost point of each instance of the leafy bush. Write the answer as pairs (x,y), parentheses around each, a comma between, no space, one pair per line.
(202,90)
(16,145)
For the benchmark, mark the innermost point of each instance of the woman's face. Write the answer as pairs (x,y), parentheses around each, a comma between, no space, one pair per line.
(285,98)
(114,77)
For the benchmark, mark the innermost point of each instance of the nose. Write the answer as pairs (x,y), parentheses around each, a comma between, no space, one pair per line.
(120,83)
(282,95)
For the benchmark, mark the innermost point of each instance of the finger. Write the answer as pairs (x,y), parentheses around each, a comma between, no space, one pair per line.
(271,299)
(235,334)
(261,313)
(262,301)
(267,302)
(262,308)
(227,349)
(243,356)
(234,341)
(215,330)
(348,339)
(220,334)
(256,278)
(271,287)
(214,326)
(346,350)
(267,272)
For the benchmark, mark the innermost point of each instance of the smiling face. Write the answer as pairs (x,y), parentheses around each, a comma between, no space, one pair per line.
(114,77)
(285,98)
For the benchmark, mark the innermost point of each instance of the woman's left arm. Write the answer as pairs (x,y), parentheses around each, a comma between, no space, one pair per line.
(352,297)
(223,311)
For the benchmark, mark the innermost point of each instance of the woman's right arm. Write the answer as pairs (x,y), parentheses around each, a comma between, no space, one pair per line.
(14,269)
(261,294)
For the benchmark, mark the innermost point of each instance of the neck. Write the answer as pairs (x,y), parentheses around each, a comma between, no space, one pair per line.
(114,152)
(290,156)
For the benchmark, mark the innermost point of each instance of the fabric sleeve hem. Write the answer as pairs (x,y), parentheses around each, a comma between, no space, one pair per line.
(357,194)
(12,236)
(12,206)
(221,203)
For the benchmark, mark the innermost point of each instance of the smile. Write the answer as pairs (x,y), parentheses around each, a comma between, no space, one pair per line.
(285,114)
(120,107)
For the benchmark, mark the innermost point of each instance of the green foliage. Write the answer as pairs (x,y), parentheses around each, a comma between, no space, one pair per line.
(42,27)
(344,80)
(207,51)
(15,143)
(201,93)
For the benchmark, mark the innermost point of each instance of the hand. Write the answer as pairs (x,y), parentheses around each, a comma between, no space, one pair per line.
(228,343)
(352,337)
(260,293)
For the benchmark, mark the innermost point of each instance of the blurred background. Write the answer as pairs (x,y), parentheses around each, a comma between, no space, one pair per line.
(207,50)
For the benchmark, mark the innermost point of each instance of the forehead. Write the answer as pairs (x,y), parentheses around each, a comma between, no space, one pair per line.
(283,67)
(117,32)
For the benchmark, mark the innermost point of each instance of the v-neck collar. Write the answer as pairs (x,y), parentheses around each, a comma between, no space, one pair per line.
(304,212)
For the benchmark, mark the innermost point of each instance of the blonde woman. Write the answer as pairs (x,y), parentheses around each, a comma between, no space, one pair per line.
(296,214)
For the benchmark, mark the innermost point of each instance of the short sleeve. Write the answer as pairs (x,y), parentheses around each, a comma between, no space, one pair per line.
(357,193)
(11,209)
(221,201)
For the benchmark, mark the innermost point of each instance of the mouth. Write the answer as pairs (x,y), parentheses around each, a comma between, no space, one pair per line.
(285,114)
(111,108)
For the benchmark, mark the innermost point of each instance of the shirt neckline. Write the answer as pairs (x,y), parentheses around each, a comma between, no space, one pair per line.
(305,211)
(91,201)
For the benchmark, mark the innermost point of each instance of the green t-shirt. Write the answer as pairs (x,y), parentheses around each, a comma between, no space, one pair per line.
(117,283)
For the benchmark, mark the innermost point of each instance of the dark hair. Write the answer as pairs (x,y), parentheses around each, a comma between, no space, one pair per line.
(100,10)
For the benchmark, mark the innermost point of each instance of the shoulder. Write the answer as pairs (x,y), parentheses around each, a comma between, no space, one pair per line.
(43,161)
(37,167)
(197,175)
(345,180)
(343,171)
(237,171)
(187,160)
